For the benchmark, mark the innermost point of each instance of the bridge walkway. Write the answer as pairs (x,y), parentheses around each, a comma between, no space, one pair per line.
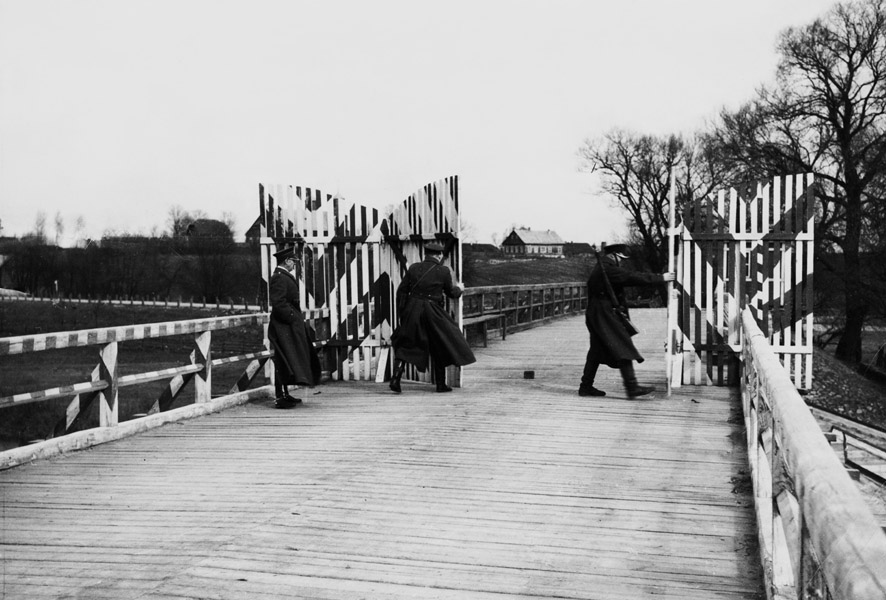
(506,488)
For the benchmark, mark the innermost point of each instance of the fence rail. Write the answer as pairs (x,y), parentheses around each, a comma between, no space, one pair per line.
(818,538)
(105,380)
(229,303)
(521,306)
(522,303)
(525,305)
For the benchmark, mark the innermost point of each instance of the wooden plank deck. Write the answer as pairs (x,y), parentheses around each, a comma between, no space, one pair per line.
(507,488)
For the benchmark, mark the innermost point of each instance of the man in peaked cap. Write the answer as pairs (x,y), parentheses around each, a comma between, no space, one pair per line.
(611,343)
(427,334)
(295,358)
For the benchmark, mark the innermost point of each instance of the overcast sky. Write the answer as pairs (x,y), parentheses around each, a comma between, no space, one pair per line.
(116,110)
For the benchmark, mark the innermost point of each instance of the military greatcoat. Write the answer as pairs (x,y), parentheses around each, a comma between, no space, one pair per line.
(426,329)
(610,343)
(295,357)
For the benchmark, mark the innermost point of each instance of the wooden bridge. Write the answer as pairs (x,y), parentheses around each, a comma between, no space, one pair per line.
(506,488)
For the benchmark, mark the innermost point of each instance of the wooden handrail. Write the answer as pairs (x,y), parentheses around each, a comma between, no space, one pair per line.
(521,287)
(527,305)
(105,380)
(89,337)
(816,532)
(50,394)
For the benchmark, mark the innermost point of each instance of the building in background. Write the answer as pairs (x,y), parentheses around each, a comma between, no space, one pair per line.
(526,242)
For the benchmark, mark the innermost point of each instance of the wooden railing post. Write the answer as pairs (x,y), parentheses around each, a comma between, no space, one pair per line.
(202,354)
(108,411)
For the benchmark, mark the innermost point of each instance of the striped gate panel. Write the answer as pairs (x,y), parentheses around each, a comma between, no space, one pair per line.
(751,247)
(352,261)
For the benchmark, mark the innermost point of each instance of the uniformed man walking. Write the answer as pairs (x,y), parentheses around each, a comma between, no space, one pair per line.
(611,343)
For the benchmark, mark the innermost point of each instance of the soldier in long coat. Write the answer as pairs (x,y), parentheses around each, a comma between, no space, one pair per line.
(295,358)
(427,333)
(611,344)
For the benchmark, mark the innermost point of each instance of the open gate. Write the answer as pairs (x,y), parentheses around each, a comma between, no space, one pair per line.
(746,247)
(352,260)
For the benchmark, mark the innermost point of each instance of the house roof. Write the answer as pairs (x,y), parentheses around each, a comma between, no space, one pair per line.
(578,247)
(531,236)
(254,229)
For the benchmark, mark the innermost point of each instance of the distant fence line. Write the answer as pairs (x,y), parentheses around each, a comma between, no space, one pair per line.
(524,306)
(217,303)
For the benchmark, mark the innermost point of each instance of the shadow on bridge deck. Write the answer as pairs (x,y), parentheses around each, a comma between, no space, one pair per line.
(505,488)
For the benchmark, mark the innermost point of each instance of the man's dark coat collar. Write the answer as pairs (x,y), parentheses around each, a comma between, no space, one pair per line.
(282,270)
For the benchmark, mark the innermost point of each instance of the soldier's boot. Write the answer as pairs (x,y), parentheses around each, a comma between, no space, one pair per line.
(440,378)
(587,379)
(399,367)
(281,393)
(633,388)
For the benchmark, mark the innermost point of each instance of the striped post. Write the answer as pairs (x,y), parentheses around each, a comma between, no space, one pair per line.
(201,355)
(108,408)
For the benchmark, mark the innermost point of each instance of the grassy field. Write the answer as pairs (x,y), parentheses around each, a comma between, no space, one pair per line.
(479,272)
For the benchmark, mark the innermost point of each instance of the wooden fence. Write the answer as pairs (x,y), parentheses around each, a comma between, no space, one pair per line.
(518,306)
(106,381)
(522,306)
(217,304)
(751,246)
(818,538)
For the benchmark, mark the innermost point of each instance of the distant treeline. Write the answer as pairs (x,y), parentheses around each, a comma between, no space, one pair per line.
(216,268)
(164,267)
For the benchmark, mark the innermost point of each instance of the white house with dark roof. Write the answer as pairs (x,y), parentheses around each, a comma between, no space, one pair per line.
(529,242)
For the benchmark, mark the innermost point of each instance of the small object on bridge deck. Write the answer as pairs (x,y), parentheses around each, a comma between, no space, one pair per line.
(528,374)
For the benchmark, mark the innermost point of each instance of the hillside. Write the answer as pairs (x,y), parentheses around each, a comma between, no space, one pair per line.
(482,271)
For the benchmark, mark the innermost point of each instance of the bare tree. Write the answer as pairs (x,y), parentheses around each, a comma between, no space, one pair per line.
(468,232)
(177,220)
(59,227)
(636,173)
(40,227)
(79,228)
(230,220)
(826,114)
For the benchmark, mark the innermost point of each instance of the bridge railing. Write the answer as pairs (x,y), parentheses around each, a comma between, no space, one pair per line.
(818,538)
(106,380)
(525,305)
(155,301)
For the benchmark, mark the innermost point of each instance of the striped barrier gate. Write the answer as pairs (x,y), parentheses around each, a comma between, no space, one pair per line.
(751,246)
(352,261)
